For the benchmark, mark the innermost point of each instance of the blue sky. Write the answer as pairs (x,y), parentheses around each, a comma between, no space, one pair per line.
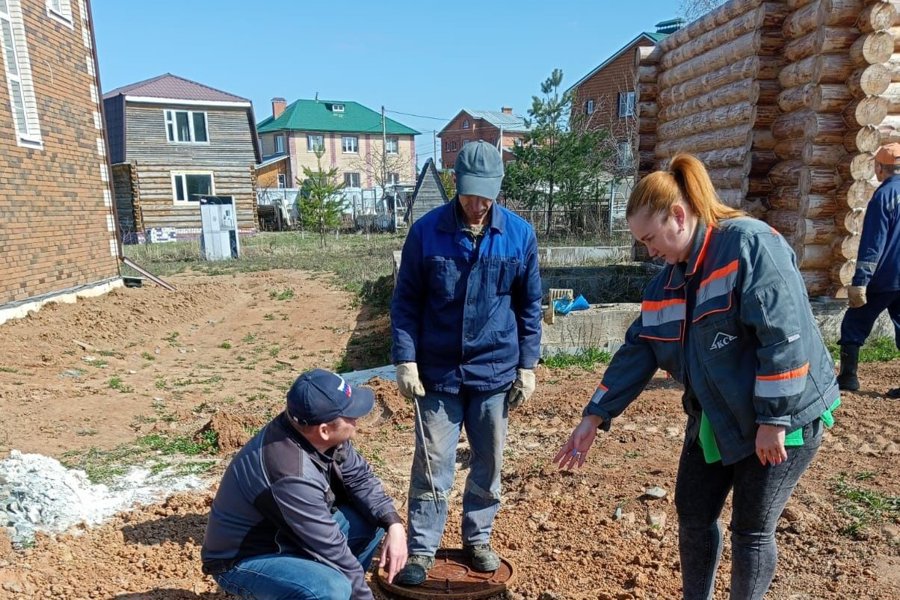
(423,58)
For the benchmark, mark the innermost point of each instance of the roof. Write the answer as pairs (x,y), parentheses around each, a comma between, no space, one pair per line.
(650,36)
(173,87)
(271,160)
(507,122)
(318,115)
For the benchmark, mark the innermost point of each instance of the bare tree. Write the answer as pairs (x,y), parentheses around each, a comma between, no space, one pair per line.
(694,9)
(379,166)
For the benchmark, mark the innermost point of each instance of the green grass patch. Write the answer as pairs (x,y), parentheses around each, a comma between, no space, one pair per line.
(225,345)
(115,383)
(164,444)
(286,294)
(881,349)
(8,370)
(586,359)
(147,356)
(863,507)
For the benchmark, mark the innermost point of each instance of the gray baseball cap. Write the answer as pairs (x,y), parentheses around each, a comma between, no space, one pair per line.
(479,170)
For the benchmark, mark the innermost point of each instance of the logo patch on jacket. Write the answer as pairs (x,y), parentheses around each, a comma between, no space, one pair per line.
(721,340)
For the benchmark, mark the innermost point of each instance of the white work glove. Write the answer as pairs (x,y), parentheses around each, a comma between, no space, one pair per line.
(857,295)
(522,388)
(408,381)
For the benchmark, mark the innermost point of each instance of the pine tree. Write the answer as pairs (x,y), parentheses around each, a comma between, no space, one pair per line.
(319,202)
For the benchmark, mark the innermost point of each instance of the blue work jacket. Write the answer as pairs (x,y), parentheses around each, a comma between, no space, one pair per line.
(735,327)
(468,316)
(878,259)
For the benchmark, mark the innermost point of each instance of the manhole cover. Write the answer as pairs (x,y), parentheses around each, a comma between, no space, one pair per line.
(452,577)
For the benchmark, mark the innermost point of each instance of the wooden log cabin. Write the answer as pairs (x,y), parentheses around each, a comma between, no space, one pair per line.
(172,139)
(786,102)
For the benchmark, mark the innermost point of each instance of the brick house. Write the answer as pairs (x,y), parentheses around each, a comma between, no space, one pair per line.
(172,139)
(605,97)
(350,135)
(473,125)
(58,228)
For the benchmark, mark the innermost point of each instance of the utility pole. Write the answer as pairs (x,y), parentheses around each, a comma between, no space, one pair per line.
(434,146)
(384,171)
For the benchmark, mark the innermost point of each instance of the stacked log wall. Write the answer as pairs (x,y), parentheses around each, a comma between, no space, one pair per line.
(786,103)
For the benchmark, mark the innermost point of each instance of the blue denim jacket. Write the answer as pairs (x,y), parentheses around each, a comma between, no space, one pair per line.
(735,327)
(878,259)
(467,318)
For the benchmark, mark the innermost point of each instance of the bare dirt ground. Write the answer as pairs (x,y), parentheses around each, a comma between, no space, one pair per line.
(107,371)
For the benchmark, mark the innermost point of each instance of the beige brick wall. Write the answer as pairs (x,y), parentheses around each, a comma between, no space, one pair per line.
(56,207)
(404,162)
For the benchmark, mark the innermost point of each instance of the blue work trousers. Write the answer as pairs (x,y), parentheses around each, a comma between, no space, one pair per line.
(484,416)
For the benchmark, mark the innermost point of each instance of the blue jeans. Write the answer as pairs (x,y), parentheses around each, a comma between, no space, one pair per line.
(858,322)
(484,415)
(760,494)
(286,576)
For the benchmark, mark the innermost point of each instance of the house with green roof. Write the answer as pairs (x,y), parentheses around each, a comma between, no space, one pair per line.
(368,150)
(605,97)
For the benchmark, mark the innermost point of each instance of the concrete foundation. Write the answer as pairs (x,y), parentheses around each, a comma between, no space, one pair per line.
(603,326)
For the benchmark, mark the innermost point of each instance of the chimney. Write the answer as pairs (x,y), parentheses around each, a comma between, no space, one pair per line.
(506,110)
(278,106)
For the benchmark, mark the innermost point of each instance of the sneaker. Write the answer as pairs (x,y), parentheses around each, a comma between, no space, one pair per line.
(415,571)
(482,557)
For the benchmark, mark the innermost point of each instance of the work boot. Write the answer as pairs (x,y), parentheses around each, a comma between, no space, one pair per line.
(482,558)
(415,571)
(847,379)
(893,394)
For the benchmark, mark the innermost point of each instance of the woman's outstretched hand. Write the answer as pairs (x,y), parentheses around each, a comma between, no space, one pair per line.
(574,452)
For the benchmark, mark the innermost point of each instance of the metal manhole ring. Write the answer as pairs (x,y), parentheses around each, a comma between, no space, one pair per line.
(452,577)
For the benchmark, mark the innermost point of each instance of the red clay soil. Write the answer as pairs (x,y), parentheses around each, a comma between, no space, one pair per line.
(219,354)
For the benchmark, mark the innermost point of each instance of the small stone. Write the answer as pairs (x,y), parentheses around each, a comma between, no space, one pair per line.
(617,514)
(891,534)
(656,492)
(656,520)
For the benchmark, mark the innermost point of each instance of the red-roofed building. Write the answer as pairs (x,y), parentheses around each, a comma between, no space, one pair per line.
(172,139)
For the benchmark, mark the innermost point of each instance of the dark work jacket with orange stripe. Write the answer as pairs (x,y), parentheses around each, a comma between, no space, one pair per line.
(734,326)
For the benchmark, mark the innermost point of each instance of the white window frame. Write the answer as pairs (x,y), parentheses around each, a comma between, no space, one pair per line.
(352,175)
(279,137)
(310,145)
(282,181)
(626,104)
(392,145)
(393,179)
(338,108)
(589,107)
(169,118)
(353,146)
(183,175)
(61,10)
(20,79)
(465,124)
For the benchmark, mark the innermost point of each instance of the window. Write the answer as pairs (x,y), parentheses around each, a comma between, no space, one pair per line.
(626,158)
(282,180)
(315,143)
(465,142)
(626,104)
(338,108)
(589,107)
(392,145)
(393,178)
(187,186)
(350,144)
(279,144)
(18,74)
(454,146)
(466,124)
(351,180)
(61,10)
(186,126)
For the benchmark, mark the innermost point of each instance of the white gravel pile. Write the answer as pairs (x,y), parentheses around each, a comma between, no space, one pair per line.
(37,493)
